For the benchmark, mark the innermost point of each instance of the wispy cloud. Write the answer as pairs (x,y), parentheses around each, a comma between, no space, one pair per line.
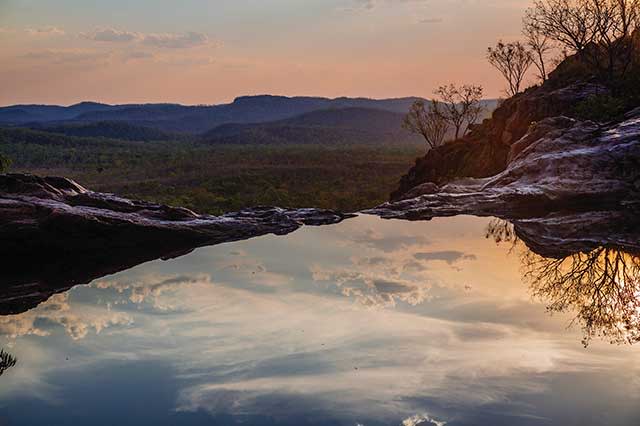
(48,31)
(111,35)
(176,41)
(160,40)
(431,20)
(70,56)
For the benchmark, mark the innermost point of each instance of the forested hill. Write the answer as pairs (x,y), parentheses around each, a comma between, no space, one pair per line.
(329,127)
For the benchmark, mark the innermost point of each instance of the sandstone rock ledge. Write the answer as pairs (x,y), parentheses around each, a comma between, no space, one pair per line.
(561,164)
(56,234)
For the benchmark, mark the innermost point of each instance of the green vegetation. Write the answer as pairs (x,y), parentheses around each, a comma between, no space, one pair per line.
(5,162)
(601,108)
(218,178)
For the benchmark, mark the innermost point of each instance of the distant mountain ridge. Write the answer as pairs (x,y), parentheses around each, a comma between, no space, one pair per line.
(191,119)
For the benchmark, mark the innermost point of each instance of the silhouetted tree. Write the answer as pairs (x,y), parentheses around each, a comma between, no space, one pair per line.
(460,106)
(615,22)
(6,361)
(428,122)
(513,61)
(600,31)
(568,22)
(539,45)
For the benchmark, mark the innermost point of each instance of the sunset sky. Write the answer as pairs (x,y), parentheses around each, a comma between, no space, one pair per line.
(210,51)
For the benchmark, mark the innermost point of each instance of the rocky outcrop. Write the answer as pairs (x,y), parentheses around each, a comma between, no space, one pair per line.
(56,234)
(561,164)
(485,150)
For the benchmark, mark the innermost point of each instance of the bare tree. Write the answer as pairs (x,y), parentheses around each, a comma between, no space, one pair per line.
(428,122)
(569,22)
(513,60)
(460,106)
(599,30)
(539,44)
(615,21)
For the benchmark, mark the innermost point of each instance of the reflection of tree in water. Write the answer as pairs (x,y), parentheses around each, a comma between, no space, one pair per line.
(6,361)
(602,285)
(501,231)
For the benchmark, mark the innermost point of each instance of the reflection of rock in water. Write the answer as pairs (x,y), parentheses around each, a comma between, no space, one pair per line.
(74,235)
(588,264)
(6,361)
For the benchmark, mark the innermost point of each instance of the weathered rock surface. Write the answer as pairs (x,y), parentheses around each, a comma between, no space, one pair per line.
(485,151)
(560,164)
(56,234)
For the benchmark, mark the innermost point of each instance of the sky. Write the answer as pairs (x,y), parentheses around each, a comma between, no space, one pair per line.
(210,51)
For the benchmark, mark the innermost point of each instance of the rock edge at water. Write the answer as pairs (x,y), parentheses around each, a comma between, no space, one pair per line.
(56,234)
(561,164)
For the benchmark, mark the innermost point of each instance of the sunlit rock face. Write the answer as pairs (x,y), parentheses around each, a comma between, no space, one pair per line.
(74,235)
(560,164)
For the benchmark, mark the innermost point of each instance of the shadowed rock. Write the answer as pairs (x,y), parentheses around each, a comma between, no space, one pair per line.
(56,234)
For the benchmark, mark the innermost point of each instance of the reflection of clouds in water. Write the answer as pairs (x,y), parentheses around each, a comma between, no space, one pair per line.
(420,419)
(245,267)
(392,273)
(239,351)
(448,256)
(58,312)
(371,288)
(392,265)
(374,239)
(151,289)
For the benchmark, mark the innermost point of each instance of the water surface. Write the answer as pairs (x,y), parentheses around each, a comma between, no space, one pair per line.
(367,322)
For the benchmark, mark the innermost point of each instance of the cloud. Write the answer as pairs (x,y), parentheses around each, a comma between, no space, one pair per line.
(70,56)
(364,5)
(111,35)
(137,55)
(431,20)
(160,40)
(176,41)
(48,31)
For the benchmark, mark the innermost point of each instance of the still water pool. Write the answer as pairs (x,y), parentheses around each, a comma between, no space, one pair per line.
(367,322)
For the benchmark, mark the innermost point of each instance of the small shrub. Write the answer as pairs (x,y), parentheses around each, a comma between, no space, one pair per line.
(600,108)
(5,162)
